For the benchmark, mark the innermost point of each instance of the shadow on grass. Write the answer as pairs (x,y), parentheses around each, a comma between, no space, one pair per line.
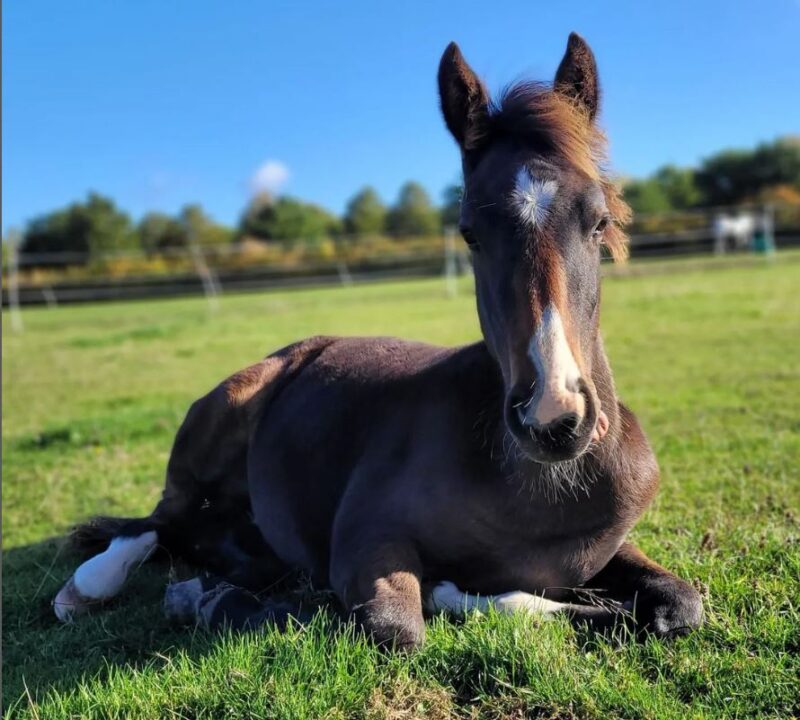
(41,654)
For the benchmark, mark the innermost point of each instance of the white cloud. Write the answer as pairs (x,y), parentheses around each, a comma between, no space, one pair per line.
(270,176)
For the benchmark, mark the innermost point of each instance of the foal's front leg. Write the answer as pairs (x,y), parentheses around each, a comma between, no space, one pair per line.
(662,603)
(380,585)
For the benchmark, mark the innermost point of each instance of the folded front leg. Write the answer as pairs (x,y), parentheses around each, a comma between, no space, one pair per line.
(447,597)
(380,585)
(661,602)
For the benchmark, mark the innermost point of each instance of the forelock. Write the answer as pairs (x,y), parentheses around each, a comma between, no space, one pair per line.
(533,113)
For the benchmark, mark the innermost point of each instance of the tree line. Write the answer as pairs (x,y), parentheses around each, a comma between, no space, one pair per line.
(769,172)
(91,229)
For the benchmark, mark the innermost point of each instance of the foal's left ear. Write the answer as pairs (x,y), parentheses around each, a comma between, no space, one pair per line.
(576,76)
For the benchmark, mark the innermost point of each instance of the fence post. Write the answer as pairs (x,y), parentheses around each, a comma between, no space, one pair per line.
(210,284)
(719,234)
(344,273)
(13,281)
(49,296)
(450,262)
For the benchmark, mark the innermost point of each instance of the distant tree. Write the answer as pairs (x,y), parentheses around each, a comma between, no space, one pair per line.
(780,195)
(733,176)
(451,206)
(60,231)
(287,219)
(726,177)
(669,188)
(298,220)
(413,214)
(365,213)
(199,228)
(646,197)
(778,163)
(679,186)
(158,231)
(109,228)
(84,230)
(258,217)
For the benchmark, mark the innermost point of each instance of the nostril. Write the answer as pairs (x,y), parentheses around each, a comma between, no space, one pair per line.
(565,425)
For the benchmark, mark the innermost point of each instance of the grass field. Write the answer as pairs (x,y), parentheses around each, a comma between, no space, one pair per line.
(92,396)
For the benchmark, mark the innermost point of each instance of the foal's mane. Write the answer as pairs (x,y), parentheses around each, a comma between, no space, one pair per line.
(534,112)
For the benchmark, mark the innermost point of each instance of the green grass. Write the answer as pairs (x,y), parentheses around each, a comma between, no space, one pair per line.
(92,396)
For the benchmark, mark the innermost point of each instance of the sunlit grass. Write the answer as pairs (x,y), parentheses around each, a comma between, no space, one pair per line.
(92,396)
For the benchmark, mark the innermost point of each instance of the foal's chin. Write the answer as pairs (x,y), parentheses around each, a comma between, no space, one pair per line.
(547,455)
(553,451)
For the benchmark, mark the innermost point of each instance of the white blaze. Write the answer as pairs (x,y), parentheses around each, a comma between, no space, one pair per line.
(532,198)
(556,370)
(446,596)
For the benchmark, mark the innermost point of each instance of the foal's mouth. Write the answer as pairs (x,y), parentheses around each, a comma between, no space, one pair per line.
(564,439)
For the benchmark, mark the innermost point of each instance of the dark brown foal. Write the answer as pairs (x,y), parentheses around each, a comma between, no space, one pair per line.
(505,472)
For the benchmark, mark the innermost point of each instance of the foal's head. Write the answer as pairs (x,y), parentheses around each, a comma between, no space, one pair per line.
(535,211)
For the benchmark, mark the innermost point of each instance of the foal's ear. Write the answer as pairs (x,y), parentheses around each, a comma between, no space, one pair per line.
(465,102)
(576,76)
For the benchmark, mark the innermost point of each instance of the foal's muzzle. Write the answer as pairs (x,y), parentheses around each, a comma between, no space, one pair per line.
(562,437)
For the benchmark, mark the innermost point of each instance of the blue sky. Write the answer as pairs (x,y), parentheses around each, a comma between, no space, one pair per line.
(160,103)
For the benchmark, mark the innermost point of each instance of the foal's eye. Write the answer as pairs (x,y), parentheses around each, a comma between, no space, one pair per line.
(597,233)
(469,238)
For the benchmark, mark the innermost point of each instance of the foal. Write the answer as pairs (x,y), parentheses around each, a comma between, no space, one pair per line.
(376,465)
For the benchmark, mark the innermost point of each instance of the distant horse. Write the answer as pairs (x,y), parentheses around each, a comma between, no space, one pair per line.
(409,477)
(739,229)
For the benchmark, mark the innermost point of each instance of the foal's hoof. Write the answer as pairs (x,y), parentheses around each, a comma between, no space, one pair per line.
(181,600)
(69,603)
(670,612)
(391,626)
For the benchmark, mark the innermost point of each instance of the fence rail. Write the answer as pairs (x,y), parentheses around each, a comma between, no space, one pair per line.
(211,270)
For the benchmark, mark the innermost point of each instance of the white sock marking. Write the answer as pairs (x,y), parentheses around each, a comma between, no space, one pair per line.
(532,198)
(102,576)
(446,596)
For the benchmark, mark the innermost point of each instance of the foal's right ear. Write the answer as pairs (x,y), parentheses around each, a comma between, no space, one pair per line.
(465,102)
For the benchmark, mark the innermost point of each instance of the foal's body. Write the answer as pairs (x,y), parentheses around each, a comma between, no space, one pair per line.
(434,478)
(387,497)
(384,467)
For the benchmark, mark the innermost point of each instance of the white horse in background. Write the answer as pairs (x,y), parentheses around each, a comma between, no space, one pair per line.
(739,229)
